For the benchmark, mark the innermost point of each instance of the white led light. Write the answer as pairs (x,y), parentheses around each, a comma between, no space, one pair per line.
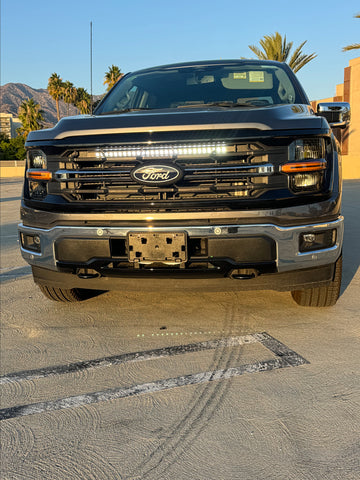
(164,151)
(309,237)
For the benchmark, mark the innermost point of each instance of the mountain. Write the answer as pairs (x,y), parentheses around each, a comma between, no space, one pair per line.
(13,94)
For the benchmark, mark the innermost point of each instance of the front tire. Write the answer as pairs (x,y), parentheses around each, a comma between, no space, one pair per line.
(65,294)
(321,296)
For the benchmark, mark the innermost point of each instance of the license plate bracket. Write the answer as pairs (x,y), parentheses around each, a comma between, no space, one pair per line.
(162,247)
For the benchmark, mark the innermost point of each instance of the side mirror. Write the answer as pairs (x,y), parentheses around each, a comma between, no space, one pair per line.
(336,113)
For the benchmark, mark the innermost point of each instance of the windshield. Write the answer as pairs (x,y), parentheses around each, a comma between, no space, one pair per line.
(191,86)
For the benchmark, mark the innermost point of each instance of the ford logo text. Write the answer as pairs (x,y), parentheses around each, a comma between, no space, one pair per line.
(157,175)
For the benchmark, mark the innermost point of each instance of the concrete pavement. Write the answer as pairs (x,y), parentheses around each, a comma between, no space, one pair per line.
(138,386)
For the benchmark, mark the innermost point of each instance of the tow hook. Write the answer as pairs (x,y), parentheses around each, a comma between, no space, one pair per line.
(244,274)
(87,274)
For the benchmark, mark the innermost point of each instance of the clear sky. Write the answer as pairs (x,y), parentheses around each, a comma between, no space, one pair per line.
(39,37)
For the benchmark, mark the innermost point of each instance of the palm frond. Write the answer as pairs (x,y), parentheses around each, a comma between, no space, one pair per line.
(257,52)
(354,46)
(275,47)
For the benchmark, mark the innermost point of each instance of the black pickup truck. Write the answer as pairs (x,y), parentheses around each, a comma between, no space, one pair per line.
(212,175)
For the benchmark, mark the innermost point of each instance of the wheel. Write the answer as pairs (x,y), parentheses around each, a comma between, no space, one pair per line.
(321,296)
(65,294)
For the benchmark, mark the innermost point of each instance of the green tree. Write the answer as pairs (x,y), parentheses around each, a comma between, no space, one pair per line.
(83,101)
(55,89)
(274,47)
(112,76)
(69,94)
(12,148)
(31,117)
(354,46)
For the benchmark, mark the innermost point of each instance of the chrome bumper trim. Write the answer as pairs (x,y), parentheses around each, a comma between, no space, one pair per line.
(286,238)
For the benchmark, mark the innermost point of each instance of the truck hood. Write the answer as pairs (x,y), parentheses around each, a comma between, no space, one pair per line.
(269,118)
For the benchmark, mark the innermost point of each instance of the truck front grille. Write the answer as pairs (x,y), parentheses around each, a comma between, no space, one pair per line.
(225,173)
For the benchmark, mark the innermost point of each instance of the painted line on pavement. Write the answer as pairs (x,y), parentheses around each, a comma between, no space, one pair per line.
(285,357)
(126,358)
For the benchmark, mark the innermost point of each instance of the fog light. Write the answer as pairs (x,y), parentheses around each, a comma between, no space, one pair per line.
(309,237)
(317,240)
(30,242)
(37,190)
(306,180)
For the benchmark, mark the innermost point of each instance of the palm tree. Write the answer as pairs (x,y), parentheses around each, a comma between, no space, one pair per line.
(68,94)
(112,76)
(31,116)
(276,48)
(83,101)
(55,86)
(354,46)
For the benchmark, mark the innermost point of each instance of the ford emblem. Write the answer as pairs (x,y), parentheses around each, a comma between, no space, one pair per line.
(157,175)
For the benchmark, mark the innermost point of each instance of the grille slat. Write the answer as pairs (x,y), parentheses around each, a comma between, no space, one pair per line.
(64,176)
(241,172)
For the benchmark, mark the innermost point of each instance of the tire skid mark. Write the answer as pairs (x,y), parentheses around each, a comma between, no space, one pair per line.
(205,399)
(126,358)
(179,434)
(204,404)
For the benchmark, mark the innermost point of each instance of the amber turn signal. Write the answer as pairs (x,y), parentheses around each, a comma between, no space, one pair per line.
(39,175)
(311,166)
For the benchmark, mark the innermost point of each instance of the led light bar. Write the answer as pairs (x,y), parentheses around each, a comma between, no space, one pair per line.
(163,151)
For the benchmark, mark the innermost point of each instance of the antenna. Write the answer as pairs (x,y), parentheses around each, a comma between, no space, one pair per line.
(91,76)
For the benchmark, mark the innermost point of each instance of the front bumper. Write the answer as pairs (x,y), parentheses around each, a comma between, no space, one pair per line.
(287,256)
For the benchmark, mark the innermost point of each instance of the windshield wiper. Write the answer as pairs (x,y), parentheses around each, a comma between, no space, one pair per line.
(228,104)
(125,110)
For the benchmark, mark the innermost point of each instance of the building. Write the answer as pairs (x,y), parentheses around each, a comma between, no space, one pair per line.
(349,91)
(9,124)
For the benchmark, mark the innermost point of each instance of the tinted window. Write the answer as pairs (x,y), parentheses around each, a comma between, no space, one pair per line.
(187,86)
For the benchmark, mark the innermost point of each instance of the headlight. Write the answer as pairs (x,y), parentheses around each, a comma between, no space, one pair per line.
(37,159)
(37,174)
(307,148)
(306,164)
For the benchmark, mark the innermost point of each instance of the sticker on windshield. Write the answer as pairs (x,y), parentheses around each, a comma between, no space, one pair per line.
(257,76)
(239,75)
